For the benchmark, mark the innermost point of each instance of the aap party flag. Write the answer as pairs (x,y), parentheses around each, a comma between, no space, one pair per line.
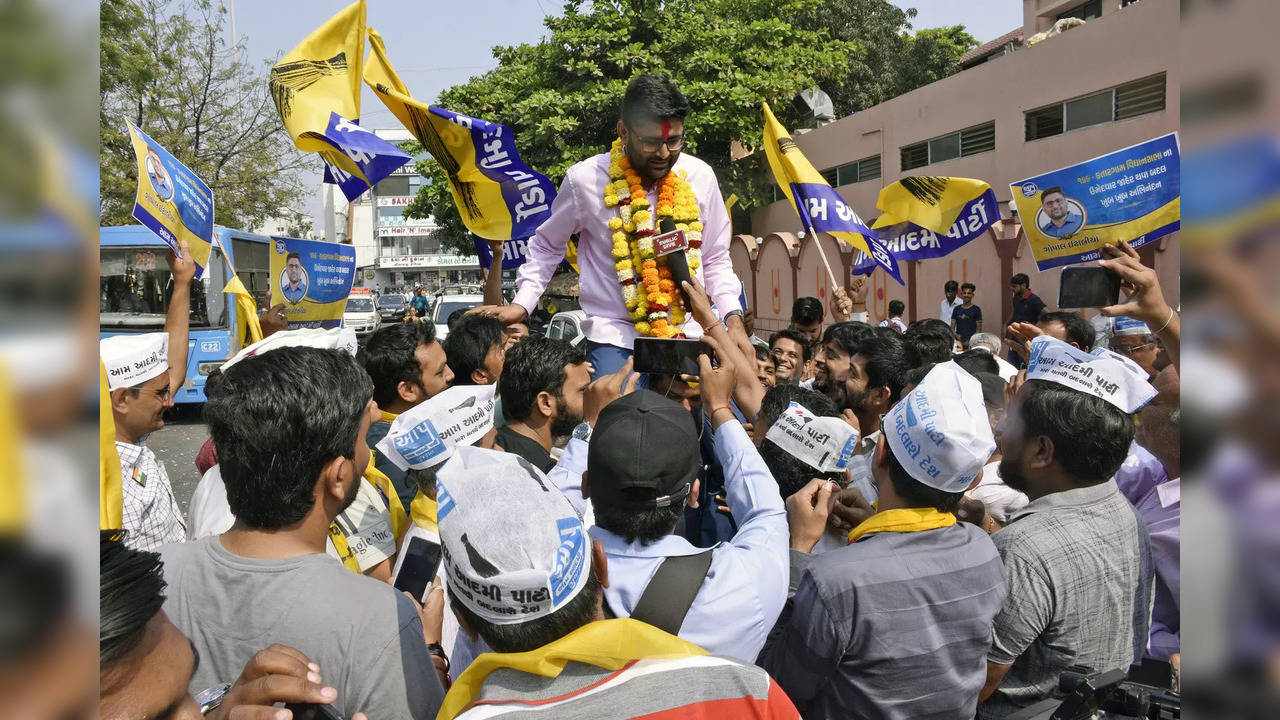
(1132,194)
(313,279)
(928,217)
(821,208)
(497,195)
(316,88)
(171,201)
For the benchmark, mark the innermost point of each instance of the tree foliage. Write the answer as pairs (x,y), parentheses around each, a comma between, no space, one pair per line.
(561,96)
(166,67)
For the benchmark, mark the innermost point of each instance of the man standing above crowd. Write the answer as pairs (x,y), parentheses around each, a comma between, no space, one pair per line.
(290,427)
(407,366)
(898,623)
(1077,561)
(529,582)
(651,134)
(1027,307)
(949,301)
(143,373)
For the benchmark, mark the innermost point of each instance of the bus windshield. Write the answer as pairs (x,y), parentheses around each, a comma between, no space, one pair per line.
(135,287)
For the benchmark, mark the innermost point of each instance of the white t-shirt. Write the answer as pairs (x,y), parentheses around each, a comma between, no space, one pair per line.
(367,521)
(1007,370)
(1000,500)
(945,308)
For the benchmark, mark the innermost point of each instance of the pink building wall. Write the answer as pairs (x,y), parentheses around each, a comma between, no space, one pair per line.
(1124,45)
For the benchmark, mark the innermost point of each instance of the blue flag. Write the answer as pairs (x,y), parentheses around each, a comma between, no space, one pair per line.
(375,157)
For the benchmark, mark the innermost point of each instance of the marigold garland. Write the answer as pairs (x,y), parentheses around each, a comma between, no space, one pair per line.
(657,311)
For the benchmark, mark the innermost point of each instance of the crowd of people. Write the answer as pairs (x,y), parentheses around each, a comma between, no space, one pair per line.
(842,521)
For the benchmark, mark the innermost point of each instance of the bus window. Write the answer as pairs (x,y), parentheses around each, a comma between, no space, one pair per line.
(135,287)
(253,266)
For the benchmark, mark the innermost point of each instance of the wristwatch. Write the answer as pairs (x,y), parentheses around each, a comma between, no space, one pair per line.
(211,698)
(582,432)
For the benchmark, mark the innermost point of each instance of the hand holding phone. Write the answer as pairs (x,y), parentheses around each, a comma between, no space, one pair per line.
(1088,286)
(670,356)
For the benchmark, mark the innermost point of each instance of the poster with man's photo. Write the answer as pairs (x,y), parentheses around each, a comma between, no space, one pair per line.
(171,200)
(312,279)
(1132,194)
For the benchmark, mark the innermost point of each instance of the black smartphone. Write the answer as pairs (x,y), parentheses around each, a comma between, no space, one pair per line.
(669,356)
(1088,286)
(418,568)
(313,712)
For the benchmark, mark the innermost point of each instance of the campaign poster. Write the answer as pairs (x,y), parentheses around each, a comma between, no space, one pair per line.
(1132,194)
(313,279)
(171,201)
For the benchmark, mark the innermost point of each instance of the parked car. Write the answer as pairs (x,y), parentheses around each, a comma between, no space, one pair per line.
(567,325)
(447,305)
(393,308)
(361,316)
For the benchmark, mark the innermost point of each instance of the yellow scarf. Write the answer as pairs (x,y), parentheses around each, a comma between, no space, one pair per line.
(609,644)
(903,520)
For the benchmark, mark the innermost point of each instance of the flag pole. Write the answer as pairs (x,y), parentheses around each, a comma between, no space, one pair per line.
(817,239)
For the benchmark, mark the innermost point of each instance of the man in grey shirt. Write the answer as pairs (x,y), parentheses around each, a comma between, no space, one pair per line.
(1077,560)
(290,428)
(898,623)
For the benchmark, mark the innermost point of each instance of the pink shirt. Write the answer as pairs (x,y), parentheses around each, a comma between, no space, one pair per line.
(579,208)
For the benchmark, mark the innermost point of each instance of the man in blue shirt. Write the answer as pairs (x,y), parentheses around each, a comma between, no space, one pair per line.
(294,281)
(1063,221)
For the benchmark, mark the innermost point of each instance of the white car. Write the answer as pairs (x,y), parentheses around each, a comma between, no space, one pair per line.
(567,325)
(361,316)
(446,305)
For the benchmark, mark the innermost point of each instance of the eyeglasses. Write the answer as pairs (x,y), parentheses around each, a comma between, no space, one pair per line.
(651,145)
(162,393)
(1127,350)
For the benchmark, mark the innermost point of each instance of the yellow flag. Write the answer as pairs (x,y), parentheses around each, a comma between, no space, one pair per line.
(319,77)
(820,208)
(929,201)
(247,323)
(110,493)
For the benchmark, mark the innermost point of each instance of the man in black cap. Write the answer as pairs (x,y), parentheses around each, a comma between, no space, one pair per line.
(642,468)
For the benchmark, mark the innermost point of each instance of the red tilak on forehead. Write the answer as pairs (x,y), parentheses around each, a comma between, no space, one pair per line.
(666,129)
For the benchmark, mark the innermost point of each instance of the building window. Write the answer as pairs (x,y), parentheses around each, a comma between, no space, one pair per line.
(970,141)
(1139,97)
(1085,11)
(867,168)
(830,177)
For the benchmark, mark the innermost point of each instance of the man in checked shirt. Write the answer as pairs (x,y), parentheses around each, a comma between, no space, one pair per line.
(143,372)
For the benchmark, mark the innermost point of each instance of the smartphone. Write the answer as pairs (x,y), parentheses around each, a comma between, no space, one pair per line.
(418,567)
(1088,286)
(669,356)
(308,711)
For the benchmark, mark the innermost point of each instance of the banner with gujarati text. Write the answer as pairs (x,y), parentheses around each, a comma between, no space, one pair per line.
(498,196)
(312,278)
(172,201)
(1132,194)
(820,207)
(910,241)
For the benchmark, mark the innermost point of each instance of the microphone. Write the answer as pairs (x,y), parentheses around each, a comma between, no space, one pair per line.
(678,264)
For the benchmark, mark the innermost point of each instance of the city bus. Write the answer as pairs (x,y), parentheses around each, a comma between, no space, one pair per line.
(135,286)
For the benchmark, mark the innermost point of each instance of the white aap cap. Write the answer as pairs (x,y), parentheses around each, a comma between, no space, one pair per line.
(517,565)
(134,359)
(825,443)
(940,432)
(333,339)
(425,435)
(1102,373)
(1122,325)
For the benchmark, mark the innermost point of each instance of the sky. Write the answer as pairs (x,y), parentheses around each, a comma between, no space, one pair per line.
(435,45)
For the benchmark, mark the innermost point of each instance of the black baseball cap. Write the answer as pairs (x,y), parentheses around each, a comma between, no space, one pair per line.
(644,452)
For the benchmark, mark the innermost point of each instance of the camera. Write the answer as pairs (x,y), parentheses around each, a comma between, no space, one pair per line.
(1146,691)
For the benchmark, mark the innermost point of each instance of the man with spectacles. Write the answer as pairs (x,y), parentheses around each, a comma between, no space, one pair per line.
(1133,339)
(143,372)
(652,135)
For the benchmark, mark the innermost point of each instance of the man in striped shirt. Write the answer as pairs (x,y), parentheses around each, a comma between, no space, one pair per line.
(898,623)
(528,580)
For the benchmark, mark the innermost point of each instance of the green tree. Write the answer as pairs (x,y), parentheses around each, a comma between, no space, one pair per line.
(167,68)
(561,96)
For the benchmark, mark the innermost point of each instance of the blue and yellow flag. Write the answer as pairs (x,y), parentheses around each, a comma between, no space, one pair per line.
(316,88)
(928,217)
(820,208)
(498,196)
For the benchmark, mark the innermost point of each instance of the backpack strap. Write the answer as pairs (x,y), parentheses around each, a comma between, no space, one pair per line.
(670,593)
